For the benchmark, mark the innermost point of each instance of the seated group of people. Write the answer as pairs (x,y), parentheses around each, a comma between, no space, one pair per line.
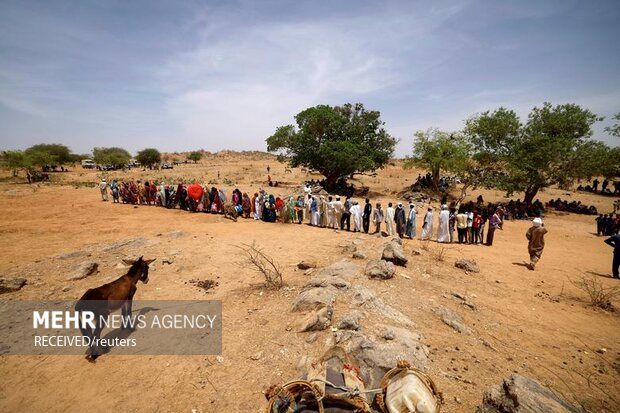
(575,207)
(426,181)
(605,189)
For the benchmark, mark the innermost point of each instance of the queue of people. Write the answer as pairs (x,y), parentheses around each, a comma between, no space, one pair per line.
(606,189)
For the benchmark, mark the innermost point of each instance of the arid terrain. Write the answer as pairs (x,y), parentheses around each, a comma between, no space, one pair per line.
(537,324)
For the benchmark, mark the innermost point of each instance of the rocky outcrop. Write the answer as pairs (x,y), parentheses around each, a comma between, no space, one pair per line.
(519,394)
(380,269)
(9,285)
(393,252)
(467,265)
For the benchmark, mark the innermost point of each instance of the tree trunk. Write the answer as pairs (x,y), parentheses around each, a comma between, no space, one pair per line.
(530,193)
(435,172)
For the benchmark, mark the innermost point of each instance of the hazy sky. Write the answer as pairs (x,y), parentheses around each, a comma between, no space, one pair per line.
(181,75)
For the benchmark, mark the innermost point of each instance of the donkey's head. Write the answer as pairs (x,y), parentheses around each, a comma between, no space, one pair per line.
(139,267)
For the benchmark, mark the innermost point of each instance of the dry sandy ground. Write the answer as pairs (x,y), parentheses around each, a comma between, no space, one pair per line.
(534,323)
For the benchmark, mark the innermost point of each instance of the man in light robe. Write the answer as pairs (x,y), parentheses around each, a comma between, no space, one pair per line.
(536,241)
(378,218)
(322,212)
(330,212)
(356,215)
(443,232)
(400,219)
(427,227)
(338,208)
(390,227)
(103,188)
(410,231)
(309,199)
(314,208)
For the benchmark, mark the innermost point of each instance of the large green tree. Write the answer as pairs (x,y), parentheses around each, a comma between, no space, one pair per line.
(439,151)
(194,156)
(55,153)
(117,157)
(614,130)
(337,141)
(149,157)
(552,147)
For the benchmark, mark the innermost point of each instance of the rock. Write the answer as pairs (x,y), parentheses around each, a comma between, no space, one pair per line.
(131,242)
(9,285)
(350,321)
(305,265)
(452,319)
(519,394)
(467,265)
(384,234)
(397,240)
(176,234)
(84,270)
(343,268)
(321,280)
(316,320)
(380,269)
(393,251)
(66,288)
(256,356)
(72,254)
(314,298)
(167,260)
(349,247)
(416,251)
(377,355)
(366,298)
(358,255)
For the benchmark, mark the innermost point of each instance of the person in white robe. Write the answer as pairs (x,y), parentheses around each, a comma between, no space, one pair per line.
(356,216)
(427,227)
(338,208)
(258,207)
(410,231)
(316,213)
(390,226)
(443,232)
(330,213)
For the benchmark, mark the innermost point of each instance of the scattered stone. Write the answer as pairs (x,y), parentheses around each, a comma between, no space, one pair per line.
(380,269)
(317,320)
(393,251)
(602,350)
(350,321)
(305,265)
(350,247)
(518,394)
(257,356)
(66,288)
(384,234)
(9,285)
(204,284)
(416,251)
(359,255)
(314,298)
(312,338)
(167,260)
(84,270)
(176,234)
(467,265)
(452,319)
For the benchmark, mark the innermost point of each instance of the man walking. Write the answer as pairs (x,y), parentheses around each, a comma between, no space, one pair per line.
(614,241)
(378,218)
(389,220)
(536,241)
(400,219)
(495,222)
(346,214)
(366,216)
(103,187)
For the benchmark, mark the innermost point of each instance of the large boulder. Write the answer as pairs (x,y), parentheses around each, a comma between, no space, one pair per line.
(393,252)
(366,298)
(452,319)
(350,321)
(343,268)
(518,394)
(380,269)
(314,299)
(306,264)
(379,352)
(84,270)
(467,265)
(9,285)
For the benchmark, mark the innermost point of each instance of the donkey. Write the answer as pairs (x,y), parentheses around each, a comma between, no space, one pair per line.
(110,297)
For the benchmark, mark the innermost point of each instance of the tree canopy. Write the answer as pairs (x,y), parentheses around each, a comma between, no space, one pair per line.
(51,153)
(551,147)
(148,157)
(440,151)
(337,141)
(117,157)
(614,130)
(195,156)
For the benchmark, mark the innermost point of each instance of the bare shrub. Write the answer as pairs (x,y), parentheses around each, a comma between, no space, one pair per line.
(439,254)
(255,257)
(600,296)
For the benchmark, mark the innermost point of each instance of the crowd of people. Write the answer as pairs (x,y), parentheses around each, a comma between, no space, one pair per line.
(607,224)
(575,207)
(605,187)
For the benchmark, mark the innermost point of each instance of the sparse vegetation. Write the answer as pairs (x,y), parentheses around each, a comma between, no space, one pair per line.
(599,295)
(257,259)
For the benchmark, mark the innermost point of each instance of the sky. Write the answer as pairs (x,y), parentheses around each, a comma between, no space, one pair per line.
(213,75)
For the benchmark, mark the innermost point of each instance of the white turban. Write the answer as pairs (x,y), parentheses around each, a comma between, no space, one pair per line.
(537,222)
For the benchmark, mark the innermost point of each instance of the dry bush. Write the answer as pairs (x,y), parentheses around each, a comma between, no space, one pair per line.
(600,296)
(262,263)
(439,254)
